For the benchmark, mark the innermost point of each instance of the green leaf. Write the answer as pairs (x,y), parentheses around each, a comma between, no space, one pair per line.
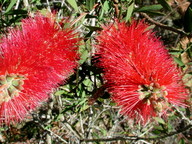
(157,132)
(178,61)
(190,63)
(87,82)
(105,9)
(2,129)
(16,12)
(176,52)
(82,101)
(60,92)
(165,4)
(159,120)
(106,6)
(90,4)
(169,126)
(155,13)
(182,141)
(84,56)
(129,11)
(188,50)
(103,131)
(149,8)
(188,19)
(13,2)
(84,107)
(93,28)
(73,3)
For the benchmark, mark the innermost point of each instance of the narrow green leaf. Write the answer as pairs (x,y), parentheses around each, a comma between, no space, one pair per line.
(13,2)
(165,4)
(16,12)
(129,11)
(93,28)
(84,56)
(169,126)
(178,61)
(176,52)
(90,4)
(84,107)
(155,13)
(190,63)
(157,132)
(188,20)
(73,3)
(150,8)
(101,14)
(87,82)
(159,120)
(106,6)
(182,141)
(60,92)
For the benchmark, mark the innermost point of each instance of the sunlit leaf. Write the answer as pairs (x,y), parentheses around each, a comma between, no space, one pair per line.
(179,61)
(13,2)
(73,3)
(159,120)
(90,4)
(129,11)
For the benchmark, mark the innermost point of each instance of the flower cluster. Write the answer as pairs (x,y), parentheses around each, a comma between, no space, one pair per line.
(34,60)
(139,72)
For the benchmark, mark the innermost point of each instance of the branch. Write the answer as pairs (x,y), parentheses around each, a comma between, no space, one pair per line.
(51,132)
(183,116)
(135,137)
(179,31)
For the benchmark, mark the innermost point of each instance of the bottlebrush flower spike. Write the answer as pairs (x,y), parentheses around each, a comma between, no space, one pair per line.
(33,61)
(139,72)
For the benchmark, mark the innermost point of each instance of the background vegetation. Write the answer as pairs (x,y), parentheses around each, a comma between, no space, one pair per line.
(81,111)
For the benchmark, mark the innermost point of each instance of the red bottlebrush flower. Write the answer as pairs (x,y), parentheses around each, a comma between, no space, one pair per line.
(33,61)
(139,72)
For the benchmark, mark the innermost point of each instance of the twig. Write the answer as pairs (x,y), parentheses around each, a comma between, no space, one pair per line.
(179,31)
(90,123)
(48,5)
(17,4)
(116,7)
(90,13)
(73,130)
(183,116)
(79,18)
(61,139)
(70,9)
(135,137)
(167,15)
(146,131)
(81,123)
(62,4)
(142,141)
(26,4)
